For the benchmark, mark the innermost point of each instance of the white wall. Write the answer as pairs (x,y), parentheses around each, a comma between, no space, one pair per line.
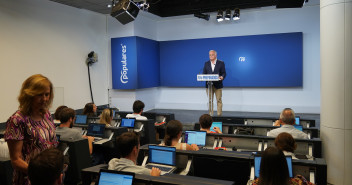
(252,22)
(40,36)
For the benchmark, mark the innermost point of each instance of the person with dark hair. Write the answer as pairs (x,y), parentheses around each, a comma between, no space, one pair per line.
(30,129)
(285,142)
(67,118)
(173,134)
(47,168)
(90,109)
(287,120)
(205,122)
(274,170)
(128,148)
(106,117)
(138,107)
(57,113)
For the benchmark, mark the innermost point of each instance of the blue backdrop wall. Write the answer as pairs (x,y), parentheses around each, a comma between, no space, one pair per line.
(272,60)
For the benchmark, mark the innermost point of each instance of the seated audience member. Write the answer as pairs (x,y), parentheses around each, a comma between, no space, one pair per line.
(128,147)
(285,142)
(67,118)
(205,122)
(274,170)
(47,168)
(90,109)
(106,117)
(57,113)
(287,118)
(173,134)
(138,107)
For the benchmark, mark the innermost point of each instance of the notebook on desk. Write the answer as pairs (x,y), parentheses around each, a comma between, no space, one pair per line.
(298,127)
(129,123)
(112,177)
(257,160)
(196,137)
(162,157)
(97,130)
(81,119)
(216,124)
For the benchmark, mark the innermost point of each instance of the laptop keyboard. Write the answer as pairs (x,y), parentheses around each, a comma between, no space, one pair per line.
(162,168)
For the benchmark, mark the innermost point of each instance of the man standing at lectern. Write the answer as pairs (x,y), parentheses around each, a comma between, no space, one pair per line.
(215,66)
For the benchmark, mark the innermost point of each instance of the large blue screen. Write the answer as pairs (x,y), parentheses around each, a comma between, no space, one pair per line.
(273,60)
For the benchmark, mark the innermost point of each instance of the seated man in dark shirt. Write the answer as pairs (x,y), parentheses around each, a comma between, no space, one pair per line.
(205,122)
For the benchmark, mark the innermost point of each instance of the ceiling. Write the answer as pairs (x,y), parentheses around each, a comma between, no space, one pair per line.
(169,8)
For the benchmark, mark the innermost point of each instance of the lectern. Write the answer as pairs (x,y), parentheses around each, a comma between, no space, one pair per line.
(209,78)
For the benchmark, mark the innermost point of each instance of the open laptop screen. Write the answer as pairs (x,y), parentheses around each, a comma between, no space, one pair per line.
(216,124)
(81,119)
(110,177)
(297,120)
(162,155)
(257,160)
(129,123)
(96,130)
(299,127)
(195,137)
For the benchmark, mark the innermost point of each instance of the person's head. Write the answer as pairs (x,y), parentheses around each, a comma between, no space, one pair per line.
(67,117)
(138,107)
(90,109)
(273,168)
(46,168)
(36,94)
(173,131)
(106,116)
(285,142)
(205,121)
(212,55)
(128,144)
(287,116)
(58,110)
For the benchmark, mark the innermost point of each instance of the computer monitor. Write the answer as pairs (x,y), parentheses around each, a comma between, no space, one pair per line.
(298,127)
(113,113)
(96,130)
(113,177)
(162,155)
(297,118)
(216,124)
(129,123)
(195,137)
(257,160)
(81,119)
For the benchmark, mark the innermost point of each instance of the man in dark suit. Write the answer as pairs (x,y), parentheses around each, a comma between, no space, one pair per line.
(215,66)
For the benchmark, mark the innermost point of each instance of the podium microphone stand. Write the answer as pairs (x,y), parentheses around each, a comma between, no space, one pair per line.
(209,79)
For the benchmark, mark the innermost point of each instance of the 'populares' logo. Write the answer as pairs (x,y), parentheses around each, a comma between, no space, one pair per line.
(124,78)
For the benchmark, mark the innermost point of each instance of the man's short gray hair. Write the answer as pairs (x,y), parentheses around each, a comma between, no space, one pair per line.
(214,52)
(287,116)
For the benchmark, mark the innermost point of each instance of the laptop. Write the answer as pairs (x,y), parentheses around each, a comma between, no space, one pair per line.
(297,120)
(81,119)
(257,160)
(216,124)
(162,157)
(113,177)
(298,127)
(129,123)
(196,137)
(97,130)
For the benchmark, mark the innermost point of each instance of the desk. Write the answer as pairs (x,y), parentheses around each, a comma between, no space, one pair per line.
(90,174)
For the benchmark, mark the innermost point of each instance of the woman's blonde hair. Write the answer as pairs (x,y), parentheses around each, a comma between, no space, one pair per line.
(106,116)
(31,87)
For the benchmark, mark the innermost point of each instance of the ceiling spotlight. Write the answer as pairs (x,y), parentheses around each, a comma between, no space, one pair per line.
(220,16)
(228,15)
(236,14)
(202,16)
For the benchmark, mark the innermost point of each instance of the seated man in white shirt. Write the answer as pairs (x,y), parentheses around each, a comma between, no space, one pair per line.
(128,148)
(138,107)
(287,119)
(67,118)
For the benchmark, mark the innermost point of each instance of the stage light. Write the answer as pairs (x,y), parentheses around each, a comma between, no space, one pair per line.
(236,14)
(202,16)
(228,15)
(220,16)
